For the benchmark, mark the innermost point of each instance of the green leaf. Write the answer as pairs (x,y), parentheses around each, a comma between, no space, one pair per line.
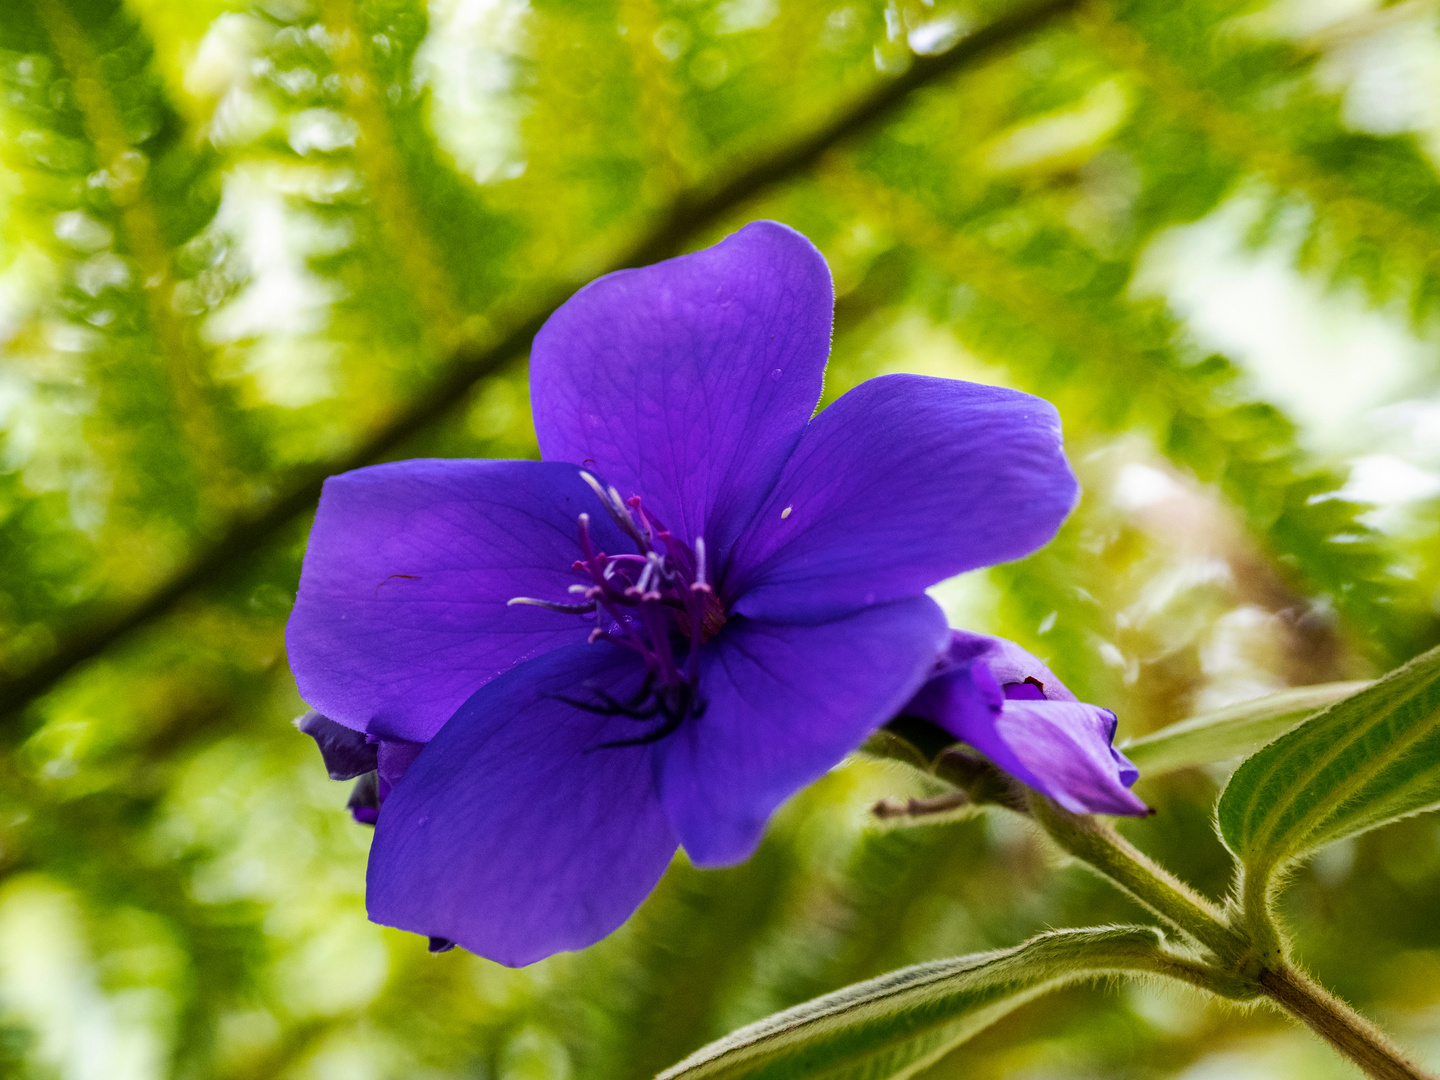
(901,1022)
(1363,762)
(1233,731)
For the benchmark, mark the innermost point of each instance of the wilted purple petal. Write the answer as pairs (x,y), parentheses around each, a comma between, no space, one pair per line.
(1004,702)
(1017,671)
(690,381)
(402,613)
(786,703)
(515,833)
(1062,749)
(1024,691)
(346,752)
(905,481)
(960,698)
(364,802)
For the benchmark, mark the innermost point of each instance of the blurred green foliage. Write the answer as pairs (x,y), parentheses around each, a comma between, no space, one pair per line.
(238,240)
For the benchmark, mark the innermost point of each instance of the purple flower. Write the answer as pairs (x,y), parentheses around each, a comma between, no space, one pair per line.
(699,602)
(994,695)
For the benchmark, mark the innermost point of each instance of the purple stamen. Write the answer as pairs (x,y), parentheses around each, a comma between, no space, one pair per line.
(646,598)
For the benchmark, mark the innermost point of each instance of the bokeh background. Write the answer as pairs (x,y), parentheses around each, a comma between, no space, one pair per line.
(244,245)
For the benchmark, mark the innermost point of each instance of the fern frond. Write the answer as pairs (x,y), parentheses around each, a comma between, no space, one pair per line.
(1138,374)
(113,199)
(685,219)
(1375,200)
(659,102)
(132,171)
(690,945)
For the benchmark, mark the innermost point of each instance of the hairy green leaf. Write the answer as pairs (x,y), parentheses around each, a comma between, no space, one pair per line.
(899,1023)
(1233,731)
(1363,762)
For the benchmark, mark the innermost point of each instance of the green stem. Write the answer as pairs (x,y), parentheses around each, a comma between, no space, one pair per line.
(1254,889)
(1247,955)
(1338,1024)
(1094,840)
(1246,967)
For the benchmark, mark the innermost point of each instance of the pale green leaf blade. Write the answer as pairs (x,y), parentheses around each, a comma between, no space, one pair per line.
(896,1024)
(1231,732)
(1366,760)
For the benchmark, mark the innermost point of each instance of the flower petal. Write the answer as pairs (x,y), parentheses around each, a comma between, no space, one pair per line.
(1064,751)
(1060,748)
(690,381)
(1016,670)
(905,481)
(392,761)
(785,704)
(402,612)
(346,752)
(364,802)
(515,833)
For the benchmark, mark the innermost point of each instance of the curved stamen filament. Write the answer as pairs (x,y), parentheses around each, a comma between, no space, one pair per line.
(550,605)
(644,600)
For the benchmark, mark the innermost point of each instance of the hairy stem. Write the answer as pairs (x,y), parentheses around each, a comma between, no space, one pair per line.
(1338,1024)
(1095,841)
(1247,957)
(1245,967)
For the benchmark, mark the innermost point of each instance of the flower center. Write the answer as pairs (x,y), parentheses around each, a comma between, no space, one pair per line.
(657,601)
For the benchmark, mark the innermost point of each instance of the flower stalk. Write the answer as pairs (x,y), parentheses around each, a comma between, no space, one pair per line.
(1241,969)
(1095,842)
(1338,1024)
(1242,954)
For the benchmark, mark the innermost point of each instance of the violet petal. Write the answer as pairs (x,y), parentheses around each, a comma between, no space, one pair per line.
(784,704)
(1060,748)
(689,382)
(402,613)
(905,481)
(346,752)
(392,763)
(514,833)
(1063,749)
(959,699)
(1010,664)
(364,802)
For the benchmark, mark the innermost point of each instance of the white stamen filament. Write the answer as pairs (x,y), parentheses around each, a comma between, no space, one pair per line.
(550,605)
(700,581)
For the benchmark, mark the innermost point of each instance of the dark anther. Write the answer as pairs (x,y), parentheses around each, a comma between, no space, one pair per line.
(673,703)
(670,726)
(633,707)
(347,753)
(440,944)
(608,706)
